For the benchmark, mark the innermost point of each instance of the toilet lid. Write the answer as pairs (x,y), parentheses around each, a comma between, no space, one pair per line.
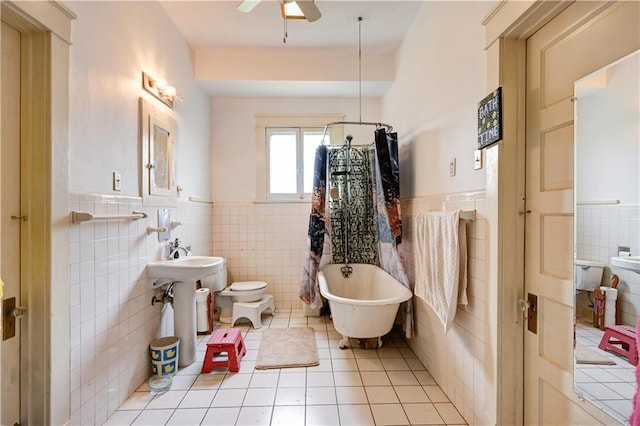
(248,285)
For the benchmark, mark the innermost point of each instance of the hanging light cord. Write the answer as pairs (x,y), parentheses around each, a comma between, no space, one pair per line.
(360,64)
(284,38)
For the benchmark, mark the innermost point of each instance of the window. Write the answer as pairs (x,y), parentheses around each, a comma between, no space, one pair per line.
(290,160)
(286,154)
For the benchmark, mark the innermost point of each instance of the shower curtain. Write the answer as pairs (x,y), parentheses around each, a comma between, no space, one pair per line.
(373,231)
(351,206)
(309,291)
(386,181)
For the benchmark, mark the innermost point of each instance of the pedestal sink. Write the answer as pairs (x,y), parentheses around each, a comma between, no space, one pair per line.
(627,262)
(184,272)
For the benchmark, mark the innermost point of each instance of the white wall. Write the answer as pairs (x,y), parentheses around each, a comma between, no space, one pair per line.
(441,76)
(111,319)
(608,137)
(112,44)
(233,160)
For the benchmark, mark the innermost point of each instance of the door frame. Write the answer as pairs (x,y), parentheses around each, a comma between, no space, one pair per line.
(45,29)
(507,27)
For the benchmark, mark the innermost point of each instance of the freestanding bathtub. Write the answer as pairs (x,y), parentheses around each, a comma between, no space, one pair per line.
(364,304)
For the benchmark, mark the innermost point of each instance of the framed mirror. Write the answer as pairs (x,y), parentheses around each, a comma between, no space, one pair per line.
(607,225)
(157,139)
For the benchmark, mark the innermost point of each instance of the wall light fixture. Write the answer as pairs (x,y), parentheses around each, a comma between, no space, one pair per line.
(161,89)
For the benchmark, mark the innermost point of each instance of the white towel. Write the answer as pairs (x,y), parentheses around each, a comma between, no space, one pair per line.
(441,264)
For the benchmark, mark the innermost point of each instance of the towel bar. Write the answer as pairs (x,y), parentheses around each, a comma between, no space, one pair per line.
(78,217)
(468,215)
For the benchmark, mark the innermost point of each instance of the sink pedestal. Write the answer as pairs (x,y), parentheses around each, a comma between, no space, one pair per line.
(184,321)
(183,273)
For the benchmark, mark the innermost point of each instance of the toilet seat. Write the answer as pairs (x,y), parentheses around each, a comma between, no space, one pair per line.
(248,285)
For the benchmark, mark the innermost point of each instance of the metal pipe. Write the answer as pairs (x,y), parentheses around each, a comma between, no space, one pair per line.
(347,204)
(389,127)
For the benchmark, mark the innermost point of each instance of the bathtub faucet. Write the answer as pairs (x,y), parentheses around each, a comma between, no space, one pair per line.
(346,270)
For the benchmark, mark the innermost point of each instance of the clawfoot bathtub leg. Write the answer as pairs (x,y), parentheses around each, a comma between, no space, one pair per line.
(379,342)
(344,343)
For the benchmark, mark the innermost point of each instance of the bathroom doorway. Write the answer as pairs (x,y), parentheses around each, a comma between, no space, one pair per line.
(10,226)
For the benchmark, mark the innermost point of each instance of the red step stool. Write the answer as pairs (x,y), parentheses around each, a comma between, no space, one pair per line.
(227,340)
(621,339)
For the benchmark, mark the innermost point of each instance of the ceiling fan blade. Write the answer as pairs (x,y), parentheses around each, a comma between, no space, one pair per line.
(310,10)
(248,5)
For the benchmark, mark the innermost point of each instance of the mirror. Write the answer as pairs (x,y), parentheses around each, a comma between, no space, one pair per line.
(157,130)
(159,174)
(607,218)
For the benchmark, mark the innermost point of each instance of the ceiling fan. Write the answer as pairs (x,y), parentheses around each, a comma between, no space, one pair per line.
(291,9)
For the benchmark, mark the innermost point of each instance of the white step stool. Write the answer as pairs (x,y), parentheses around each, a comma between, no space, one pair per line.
(253,310)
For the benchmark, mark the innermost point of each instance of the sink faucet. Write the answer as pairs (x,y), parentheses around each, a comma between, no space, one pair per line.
(174,250)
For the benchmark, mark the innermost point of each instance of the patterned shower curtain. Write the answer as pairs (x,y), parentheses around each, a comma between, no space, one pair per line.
(386,181)
(309,290)
(373,231)
(351,206)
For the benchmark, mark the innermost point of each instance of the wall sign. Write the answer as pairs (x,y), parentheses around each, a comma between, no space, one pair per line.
(490,119)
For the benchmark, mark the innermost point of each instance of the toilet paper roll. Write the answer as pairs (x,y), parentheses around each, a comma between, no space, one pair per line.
(202,294)
(202,311)
(610,292)
(202,321)
(611,295)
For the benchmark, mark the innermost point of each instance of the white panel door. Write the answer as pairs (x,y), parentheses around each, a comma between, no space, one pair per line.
(580,40)
(10,227)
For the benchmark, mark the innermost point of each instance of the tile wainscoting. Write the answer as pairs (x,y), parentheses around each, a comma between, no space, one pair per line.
(264,242)
(460,360)
(112,320)
(600,230)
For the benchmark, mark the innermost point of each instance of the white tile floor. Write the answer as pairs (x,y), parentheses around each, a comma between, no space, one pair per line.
(610,387)
(387,386)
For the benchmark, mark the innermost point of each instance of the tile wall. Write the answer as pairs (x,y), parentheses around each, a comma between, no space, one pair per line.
(268,242)
(459,360)
(112,320)
(264,242)
(600,230)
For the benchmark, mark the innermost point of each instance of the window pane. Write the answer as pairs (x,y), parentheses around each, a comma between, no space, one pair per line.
(311,140)
(282,163)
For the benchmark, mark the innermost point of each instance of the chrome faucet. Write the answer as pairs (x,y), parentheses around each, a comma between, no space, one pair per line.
(174,250)
(175,253)
(346,270)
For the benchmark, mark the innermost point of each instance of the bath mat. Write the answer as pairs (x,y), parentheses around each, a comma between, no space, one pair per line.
(586,355)
(287,348)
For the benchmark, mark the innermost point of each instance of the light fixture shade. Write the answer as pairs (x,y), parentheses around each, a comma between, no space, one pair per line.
(300,9)
(290,10)
(161,89)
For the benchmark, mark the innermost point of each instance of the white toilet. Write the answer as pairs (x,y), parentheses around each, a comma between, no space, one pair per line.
(588,274)
(245,299)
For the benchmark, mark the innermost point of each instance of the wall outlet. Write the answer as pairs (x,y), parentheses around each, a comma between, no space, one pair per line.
(452,167)
(117,181)
(477,159)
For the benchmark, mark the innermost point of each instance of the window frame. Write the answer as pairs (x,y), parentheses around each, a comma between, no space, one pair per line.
(298,123)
